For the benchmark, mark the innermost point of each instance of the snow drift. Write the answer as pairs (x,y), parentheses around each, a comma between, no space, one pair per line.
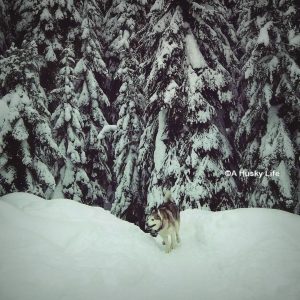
(60,249)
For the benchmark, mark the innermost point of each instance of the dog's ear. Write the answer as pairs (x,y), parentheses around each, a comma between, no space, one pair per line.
(154,210)
(159,214)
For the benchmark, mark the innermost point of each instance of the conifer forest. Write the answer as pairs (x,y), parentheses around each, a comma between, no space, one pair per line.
(113,102)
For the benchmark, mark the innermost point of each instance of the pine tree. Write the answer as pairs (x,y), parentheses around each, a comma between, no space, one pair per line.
(164,68)
(27,148)
(185,146)
(123,20)
(270,76)
(217,40)
(93,103)
(126,141)
(211,109)
(73,182)
(166,73)
(51,24)
(4,26)
(23,12)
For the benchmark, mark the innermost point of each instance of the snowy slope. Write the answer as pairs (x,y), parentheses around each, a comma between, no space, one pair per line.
(60,249)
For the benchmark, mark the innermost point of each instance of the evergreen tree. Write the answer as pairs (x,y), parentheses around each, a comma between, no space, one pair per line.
(270,76)
(216,37)
(211,108)
(73,181)
(126,141)
(93,102)
(27,148)
(4,26)
(164,73)
(185,145)
(51,24)
(123,20)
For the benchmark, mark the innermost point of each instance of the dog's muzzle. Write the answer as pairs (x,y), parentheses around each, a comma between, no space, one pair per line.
(149,229)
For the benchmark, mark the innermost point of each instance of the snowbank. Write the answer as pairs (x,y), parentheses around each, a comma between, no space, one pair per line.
(60,249)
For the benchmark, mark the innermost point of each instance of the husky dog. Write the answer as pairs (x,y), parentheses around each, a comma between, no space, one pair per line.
(165,221)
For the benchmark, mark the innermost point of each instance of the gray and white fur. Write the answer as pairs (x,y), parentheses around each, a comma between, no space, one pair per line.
(165,221)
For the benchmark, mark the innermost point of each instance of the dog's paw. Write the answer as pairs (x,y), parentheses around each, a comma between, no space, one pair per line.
(168,249)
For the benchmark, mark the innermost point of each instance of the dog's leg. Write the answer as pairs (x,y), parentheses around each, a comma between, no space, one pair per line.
(177,232)
(178,238)
(167,243)
(173,239)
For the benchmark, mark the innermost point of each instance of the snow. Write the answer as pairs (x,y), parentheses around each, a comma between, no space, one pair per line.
(161,24)
(208,139)
(272,66)
(155,193)
(107,129)
(50,55)
(158,5)
(45,15)
(164,53)
(263,37)
(249,69)
(284,180)
(267,90)
(4,110)
(260,20)
(58,191)
(276,138)
(291,10)
(160,147)
(194,55)
(20,132)
(170,92)
(60,249)
(59,14)
(122,41)
(294,39)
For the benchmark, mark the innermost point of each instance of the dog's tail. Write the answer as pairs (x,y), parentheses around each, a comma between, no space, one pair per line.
(168,195)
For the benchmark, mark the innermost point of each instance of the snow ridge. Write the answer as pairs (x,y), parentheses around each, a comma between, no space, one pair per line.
(62,249)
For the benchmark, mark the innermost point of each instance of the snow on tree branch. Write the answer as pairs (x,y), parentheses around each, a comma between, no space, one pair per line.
(107,129)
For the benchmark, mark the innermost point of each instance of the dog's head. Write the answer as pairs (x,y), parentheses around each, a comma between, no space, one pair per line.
(153,222)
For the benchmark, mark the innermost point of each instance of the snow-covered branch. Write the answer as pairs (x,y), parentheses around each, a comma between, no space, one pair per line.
(107,129)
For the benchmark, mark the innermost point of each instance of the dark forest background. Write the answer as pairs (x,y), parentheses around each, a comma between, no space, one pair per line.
(111,103)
